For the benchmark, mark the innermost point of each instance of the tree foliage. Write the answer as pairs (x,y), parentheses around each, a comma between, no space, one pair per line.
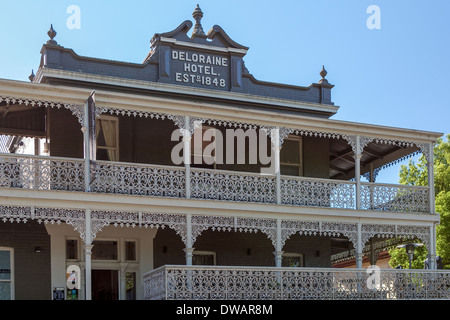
(417,174)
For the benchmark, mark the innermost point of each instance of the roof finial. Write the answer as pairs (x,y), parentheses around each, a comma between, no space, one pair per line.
(51,33)
(198,30)
(323,74)
(31,77)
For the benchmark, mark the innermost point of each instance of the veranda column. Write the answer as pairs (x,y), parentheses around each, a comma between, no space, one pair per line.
(278,250)
(85,130)
(276,147)
(187,156)
(429,153)
(359,245)
(371,187)
(87,255)
(432,248)
(358,172)
(189,250)
(430,164)
(88,130)
(123,281)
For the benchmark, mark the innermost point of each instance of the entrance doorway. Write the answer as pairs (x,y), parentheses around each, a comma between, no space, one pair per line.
(105,285)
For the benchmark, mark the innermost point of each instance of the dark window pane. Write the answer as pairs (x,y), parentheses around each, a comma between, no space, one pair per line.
(71,249)
(104,250)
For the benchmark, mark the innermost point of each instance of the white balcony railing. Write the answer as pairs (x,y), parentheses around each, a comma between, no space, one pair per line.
(389,197)
(138,179)
(232,186)
(265,283)
(41,173)
(312,192)
(51,173)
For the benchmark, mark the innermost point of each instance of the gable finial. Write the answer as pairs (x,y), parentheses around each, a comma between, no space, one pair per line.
(32,76)
(198,29)
(52,34)
(323,74)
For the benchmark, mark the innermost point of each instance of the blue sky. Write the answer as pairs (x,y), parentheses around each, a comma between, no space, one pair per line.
(396,75)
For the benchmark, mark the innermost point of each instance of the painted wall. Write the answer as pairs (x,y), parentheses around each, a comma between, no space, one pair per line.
(32,278)
(145,140)
(240,248)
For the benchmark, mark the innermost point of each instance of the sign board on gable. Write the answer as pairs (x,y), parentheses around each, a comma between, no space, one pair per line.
(200,68)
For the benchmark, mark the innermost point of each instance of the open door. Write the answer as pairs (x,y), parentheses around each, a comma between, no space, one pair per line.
(105,285)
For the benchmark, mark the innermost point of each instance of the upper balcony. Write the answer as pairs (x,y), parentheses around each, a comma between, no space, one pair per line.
(111,177)
(233,154)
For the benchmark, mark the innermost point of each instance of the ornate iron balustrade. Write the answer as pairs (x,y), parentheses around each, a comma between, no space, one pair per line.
(232,186)
(41,173)
(139,179)
(261,283)
(52,173)
(398,198)
(318,192)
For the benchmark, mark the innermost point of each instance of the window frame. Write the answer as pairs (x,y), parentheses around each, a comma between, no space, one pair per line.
(116,149)
(194,153)
(136,250)
(118,250)
(77,249)
(294,255)
(205,253)
(11,265)
(300,164)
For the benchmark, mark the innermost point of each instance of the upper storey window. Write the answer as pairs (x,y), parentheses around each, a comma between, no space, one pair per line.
(107,132)
(204,147)
(291,157)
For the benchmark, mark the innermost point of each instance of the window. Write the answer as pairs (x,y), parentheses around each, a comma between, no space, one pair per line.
(292,260)
(107,133)
(104,250)
(203,146)
(6,274)
(291,157)
(130,250)
(204,258)
(130,286)
(71,249)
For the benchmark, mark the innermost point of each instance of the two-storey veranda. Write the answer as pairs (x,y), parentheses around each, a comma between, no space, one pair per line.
(140,226)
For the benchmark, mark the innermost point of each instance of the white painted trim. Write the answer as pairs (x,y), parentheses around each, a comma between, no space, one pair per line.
(197,46)
(180,89)
(127,203)
(11,264)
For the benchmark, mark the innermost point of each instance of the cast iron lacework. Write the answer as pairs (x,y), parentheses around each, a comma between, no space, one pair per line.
(41,173)
(77,110)
(251,225)
(265,283)
(315,192)
(68,174)
(200,223)
(139,179)
(179,120)
(232,186)
(176,222)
